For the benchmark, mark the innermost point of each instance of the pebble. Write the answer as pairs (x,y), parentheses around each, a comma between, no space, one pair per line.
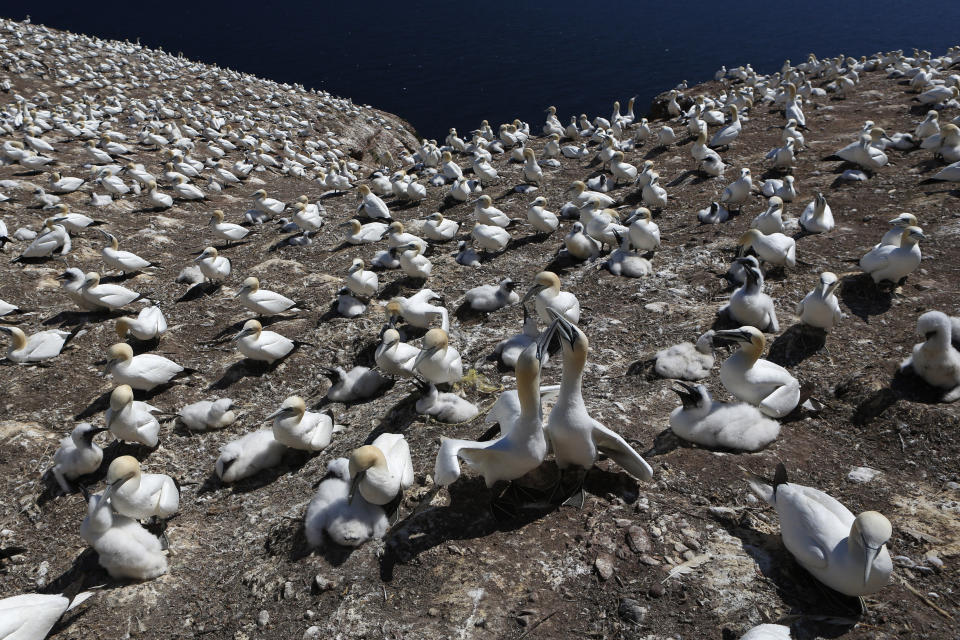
(631,611)
(323,583)
(638,540)
(263,618)
(648,560)
(288,592)
(311,633)
(656,590)
(604,566)
(932,558)
(862,474)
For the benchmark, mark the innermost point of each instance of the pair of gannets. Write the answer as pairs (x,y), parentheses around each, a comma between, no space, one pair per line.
(845,552)
(263,301)
(145,371)
(256,343)
(347,522)
(820,308)
(889,262)
(935,359)
(749,305)
(297,428)
(39,347)
(702,420)
(762,383)
(124,548)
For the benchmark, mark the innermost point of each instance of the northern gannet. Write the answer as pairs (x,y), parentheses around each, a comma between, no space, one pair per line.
(371,205)
(625,261)
(248,456)
(77,456)
(487,214)
(729,133)
(31,616)
(297,428)
(888,262)
(784,189)
(749,305)
(439,229)
(266,346)
(738,191)
(577,191)
(577,439)
(157,199)
(360,383)
(522,445)
(644,232)
(106,296)
(213,266)
(52,237)
(417,310)
(207,415)
(349,523)
(820,308)
(579,245)
(539,218)
(546,294)
(360,281)
(262,301)
(846,553)
(140,495)
(490,297)
(895,234)
(771,220)
(510,349)
(145,371)
(935,359)
(782,156)
(59,184)
(381,470)
(437,361)
(489,237)
(776,248)
(226,230)
(39,347)
(762,383)
(531,170)
(413,263)
(364,233)
(714,214)
(394,357)
(124,548)
(817,216)
(73,222)
(687,360)
(187,191)
(131,420)
(148,325)
(123,261)
(863,153)
(269,206)
(654,196)
(739,426)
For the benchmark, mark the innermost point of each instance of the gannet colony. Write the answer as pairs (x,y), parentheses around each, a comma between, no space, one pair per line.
(277,368)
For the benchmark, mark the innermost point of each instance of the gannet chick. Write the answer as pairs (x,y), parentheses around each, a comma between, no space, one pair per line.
(77,456)
(762,383)
(364,233)
(349,306)
(381,470)
(440,229)
(266,346)
(490,238)
(262,301)
(248,456)
(213,266)
(521,447)
(935,360)
(737,192)
(817,216)
(141,495)
(490,297)
(820,308)
(437,361)
(704,421)
(771,220)
(39,347)
(31,616)
(775,248)
(546,294)
(267,205)
(394,357)
(539,218)
(687,361)
(360,383)
(626,262)
(123,261)
(444,407)
(208,415)
(846,553)
(749,305)
(106,296)
(371,205)
(148,325)
(576,438)
(644,232)
(412,263)
(131,420)
(145,371)
(297,428)
(579,245)
(124,548)
(466,256)
(888,262)
(349,523)
(226,230)
(714,214)
(767,632)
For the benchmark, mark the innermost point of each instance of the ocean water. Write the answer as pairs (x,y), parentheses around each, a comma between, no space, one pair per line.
(443,64)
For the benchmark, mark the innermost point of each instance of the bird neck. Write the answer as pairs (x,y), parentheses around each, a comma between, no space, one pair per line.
(18,338)
(571,380)
(749,353)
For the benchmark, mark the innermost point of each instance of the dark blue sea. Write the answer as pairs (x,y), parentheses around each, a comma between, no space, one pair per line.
(443,64)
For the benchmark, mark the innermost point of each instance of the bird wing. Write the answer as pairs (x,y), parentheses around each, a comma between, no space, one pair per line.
(617,449)
(447,466)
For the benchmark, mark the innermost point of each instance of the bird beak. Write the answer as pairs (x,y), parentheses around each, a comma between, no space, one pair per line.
(355,484)
(563,326)
(240,292)
(242,333)
(532,291)
(423,355)
(275,414)
(728,335)
(869,556)
(107,367)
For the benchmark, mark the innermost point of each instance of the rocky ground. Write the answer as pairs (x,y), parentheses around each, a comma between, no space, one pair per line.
(239,563)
